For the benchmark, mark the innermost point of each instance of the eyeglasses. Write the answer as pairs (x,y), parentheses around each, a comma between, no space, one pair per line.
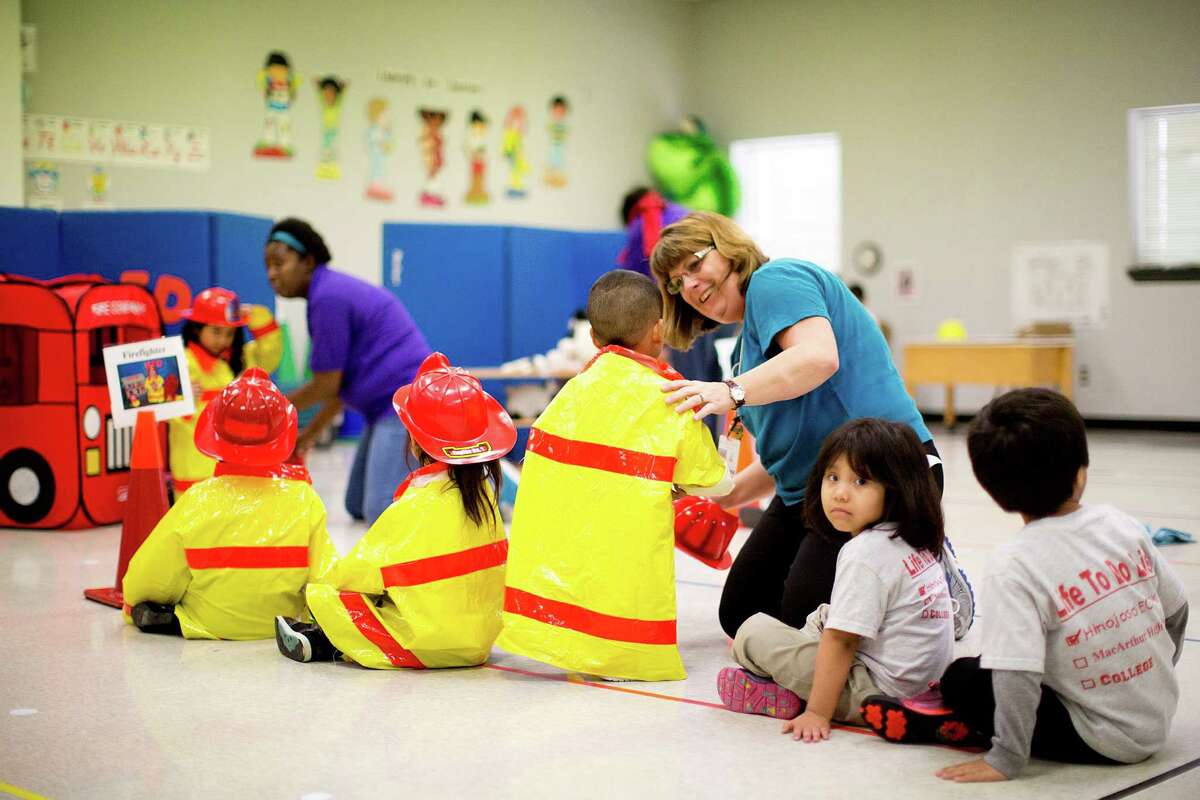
(675,285)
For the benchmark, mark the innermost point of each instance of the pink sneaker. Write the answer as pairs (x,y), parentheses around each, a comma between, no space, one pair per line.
(746,693)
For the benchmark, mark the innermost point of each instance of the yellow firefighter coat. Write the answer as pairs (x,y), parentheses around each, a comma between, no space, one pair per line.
(422,588)
(232,553)
(590,584)
(188,464)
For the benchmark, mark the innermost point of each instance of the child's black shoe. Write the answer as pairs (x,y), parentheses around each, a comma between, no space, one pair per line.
(918,720)
(153,616)
(303,641)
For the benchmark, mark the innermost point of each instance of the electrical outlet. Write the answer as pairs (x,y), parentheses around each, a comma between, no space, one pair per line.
(1085,376)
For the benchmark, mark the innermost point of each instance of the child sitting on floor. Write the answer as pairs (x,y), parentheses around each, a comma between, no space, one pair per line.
(236,549)
(423,587)
(888,625)
(217,352)
(590,585)
(1083,620)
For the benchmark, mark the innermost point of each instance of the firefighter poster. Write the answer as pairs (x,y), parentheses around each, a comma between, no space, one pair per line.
(151,374)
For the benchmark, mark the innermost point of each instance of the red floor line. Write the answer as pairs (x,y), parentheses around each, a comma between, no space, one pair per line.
(643,693)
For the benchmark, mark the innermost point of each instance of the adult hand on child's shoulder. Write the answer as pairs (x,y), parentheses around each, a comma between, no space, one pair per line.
(977,771)
(807,727)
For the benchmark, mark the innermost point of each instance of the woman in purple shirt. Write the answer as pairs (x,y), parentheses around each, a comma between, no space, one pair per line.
(365,346)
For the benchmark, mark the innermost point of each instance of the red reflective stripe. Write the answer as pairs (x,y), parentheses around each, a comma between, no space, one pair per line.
(247,557)
(593,623)
(450,565)
(288,471)
(270,327)
(601,456)
(372,629)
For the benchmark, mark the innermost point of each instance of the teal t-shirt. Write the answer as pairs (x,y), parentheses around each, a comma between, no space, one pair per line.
(788,434)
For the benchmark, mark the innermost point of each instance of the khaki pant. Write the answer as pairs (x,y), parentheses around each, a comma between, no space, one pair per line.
(788,656)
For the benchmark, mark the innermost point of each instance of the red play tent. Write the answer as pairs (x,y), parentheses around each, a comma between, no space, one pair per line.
(62,463)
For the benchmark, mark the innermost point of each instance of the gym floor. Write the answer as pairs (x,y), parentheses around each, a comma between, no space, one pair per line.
(89,707)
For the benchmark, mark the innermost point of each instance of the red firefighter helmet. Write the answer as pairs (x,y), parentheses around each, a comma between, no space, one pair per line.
(704,530)
(250,422)
(451,417)
(216,306)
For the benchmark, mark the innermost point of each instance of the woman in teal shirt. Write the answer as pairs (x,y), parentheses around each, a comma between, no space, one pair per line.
(809,358)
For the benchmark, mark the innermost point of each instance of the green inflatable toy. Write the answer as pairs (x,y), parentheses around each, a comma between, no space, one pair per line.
(688,168)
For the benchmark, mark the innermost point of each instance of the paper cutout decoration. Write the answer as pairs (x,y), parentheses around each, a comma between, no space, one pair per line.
(476,149)
(556,161)
(513,148)
(433,155)
(689,169)
(379,144)
(278,83)
(97,189)
(43,186)
(330,90)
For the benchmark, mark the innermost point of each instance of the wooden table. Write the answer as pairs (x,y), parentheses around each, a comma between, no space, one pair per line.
(1014,362)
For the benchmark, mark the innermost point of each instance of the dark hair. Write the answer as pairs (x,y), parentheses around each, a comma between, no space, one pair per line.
(471,480)
(237,362)
(330,82)
(305,234)
(622,306)
(630,200)
(1026,449)
(857,290)
(891,454)
(559,100)
(277,59)
(477,116)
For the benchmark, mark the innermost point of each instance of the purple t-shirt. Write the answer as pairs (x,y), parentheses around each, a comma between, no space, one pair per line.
(367,333)
(632,256)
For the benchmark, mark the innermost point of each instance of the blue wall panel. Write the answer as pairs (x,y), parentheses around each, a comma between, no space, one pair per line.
(544,292)
(31,245)
(453,280)
(109,242)
(593,253)
(237,257)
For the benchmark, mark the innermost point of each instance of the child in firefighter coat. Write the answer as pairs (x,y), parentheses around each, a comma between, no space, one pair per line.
(237,549)
(217,352)
(590,584)
(424,586)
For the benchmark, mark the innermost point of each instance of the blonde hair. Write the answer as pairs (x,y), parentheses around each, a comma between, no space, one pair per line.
(682,324)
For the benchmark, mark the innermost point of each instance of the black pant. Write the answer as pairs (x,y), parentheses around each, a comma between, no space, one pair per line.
(784,569)
(967,690)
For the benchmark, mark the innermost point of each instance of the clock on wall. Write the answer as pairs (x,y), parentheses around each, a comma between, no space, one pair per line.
(867,258)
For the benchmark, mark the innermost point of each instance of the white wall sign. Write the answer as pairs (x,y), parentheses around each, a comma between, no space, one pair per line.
(1061,282)
(153,375)
(907,282)
(137,144)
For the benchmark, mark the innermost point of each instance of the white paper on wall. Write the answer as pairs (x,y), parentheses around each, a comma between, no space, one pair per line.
(1061,282)
(99,139)
(73,140)
(141,144)
(198,148)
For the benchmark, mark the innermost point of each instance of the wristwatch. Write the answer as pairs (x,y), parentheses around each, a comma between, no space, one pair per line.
(736,393)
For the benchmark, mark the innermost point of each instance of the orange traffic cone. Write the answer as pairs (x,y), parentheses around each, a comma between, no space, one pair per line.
(145,502)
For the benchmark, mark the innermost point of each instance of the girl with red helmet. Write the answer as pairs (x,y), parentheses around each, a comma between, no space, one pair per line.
(424,586)
(217,352)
